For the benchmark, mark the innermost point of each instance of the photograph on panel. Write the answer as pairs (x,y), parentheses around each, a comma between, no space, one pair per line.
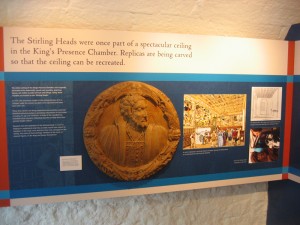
(213,120)
(266,103)
(264,144)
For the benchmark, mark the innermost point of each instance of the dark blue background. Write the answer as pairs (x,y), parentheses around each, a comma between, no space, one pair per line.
(181,165)
(25,154)
(295,134)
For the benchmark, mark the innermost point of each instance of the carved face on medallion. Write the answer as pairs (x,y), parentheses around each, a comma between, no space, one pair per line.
(136,112)
(131,130)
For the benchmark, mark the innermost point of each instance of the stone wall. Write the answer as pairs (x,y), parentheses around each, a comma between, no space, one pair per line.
(242,204)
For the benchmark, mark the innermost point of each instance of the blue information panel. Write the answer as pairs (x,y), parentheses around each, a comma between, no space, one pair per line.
(231,97)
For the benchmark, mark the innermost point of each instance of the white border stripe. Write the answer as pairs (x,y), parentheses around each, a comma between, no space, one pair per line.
(293,177)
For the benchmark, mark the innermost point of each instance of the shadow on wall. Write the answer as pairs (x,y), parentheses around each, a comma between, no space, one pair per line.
(293,33)
(284,203)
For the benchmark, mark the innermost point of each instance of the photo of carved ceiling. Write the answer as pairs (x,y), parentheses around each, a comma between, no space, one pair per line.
(207,115)
(214,109)
(266,103)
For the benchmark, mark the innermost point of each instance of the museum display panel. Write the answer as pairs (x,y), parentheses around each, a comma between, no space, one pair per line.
(294,167)
(98,114)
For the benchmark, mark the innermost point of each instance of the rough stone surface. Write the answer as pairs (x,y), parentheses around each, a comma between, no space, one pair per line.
(266,19)
(241,204)
(243,18)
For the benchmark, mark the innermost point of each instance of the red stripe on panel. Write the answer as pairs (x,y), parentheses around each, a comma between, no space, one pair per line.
(4,202)
(288,107)
(4,177)
(285,176)
(291,58)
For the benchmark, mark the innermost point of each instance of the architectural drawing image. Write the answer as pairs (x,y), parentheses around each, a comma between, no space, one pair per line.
(266,103)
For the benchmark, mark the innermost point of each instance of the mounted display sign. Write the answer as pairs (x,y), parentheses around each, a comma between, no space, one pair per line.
(97,114)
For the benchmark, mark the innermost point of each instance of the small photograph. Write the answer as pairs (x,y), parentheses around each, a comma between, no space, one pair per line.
(213,120)
(266,103)
(264,144)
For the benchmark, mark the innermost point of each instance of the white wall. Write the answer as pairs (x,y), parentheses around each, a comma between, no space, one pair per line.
(243,204)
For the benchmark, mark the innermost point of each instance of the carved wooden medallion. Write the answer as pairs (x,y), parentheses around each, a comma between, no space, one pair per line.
(131,130)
